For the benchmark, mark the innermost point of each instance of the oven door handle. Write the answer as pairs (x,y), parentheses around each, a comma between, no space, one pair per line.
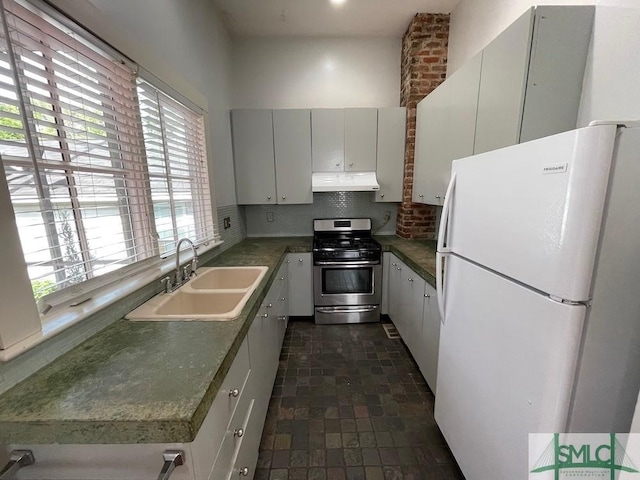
(348,264)
(362,309)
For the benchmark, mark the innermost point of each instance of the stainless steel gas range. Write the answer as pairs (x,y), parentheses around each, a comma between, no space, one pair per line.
(347,271)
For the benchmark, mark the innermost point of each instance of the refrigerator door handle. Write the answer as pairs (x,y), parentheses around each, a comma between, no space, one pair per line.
(440,283)
(446,215)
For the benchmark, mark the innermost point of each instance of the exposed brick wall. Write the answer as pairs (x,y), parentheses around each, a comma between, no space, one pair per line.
(423,68)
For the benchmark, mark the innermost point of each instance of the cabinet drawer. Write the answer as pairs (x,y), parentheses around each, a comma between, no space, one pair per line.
(233,437)
(247,453)
(212,432)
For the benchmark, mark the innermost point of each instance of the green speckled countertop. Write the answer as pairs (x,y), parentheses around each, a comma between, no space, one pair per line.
(153,382)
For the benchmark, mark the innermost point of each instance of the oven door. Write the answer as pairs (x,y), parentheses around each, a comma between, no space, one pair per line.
(347,284)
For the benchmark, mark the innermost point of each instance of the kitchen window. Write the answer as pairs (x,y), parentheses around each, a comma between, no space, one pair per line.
(104,170)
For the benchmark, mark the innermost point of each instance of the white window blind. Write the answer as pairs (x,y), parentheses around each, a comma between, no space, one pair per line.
(73,149)
(177,161)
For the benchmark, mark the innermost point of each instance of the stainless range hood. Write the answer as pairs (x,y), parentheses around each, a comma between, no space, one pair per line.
(344,182)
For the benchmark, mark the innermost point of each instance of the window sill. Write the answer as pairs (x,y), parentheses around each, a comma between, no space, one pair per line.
(61,318)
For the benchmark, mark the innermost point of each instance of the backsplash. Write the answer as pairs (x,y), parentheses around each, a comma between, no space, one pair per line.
(237,231)
(16,370)
(297,220)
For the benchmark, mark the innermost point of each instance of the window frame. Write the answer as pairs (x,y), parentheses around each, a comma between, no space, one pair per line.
(57,311)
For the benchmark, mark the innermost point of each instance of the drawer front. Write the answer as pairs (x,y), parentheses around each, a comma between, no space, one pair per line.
(233,437)
(212,432)
(247,455)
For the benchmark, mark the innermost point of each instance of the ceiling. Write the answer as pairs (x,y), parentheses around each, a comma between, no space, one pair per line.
(387,18)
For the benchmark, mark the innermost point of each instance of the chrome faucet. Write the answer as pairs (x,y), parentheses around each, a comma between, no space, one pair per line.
(182,277)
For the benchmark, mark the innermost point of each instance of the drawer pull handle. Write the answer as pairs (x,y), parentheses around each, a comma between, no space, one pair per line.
(244,472)
(17,460)
(265,315)
(269,306)
(410,279)
(238,433)
(301,260)
(234,393)
(172,459)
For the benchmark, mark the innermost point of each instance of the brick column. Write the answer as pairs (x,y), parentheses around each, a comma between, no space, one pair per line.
(423,68)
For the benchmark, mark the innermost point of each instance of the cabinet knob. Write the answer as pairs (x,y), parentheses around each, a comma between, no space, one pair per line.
(301,260)
(265,315)
(244,472)
(398,268)
(283,197)
(282,317)
(238,433)
(268,197)
(288,261)
(427,295)
(282,299)
(270,305)
(410,279)
(337,164)
(438,197)
(421,196)
(234,392)
(351,164)
(382,195)
(281,278)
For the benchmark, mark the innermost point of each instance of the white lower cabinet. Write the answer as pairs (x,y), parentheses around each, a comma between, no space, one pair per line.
(414,311)
(300,284)
(226,445)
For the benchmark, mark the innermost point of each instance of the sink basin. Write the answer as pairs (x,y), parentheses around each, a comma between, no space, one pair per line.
(227,278)
(202,304)
(216,293)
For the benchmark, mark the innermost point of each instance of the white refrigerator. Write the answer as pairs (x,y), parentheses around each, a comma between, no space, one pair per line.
(539,292)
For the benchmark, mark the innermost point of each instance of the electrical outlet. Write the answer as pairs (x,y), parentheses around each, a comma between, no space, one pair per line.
(269,216)
(227,222)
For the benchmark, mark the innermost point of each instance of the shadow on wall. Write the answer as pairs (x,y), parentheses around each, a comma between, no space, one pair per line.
(297,220)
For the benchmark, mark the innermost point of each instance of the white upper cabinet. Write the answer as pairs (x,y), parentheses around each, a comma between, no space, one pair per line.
(254,156)
(445,129)
(292,140)
(532,76)
(525,84)
(327,130)
(360,135)
(390,153)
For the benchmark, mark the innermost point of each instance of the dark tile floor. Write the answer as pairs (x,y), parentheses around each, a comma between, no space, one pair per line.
(350,404)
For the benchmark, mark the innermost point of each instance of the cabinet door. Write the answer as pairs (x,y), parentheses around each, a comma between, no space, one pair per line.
(412,298)
(327,139)
(395,292)
(360,133)
(390,156)
(292,143)
(300,284)
(446,126)
(556,71)
(431,145)
(254,156)
(428,362)
(502,86)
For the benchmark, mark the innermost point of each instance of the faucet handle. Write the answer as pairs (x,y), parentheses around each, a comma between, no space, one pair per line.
(194,265)
(166,283)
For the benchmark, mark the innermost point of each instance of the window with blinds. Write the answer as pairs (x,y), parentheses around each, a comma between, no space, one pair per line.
(177,162)
(102,172)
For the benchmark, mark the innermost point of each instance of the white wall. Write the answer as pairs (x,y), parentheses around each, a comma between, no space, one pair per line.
(186,46)
(612,76)
(296,72)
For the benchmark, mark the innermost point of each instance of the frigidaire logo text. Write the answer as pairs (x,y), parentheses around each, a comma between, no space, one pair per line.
(579,459)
